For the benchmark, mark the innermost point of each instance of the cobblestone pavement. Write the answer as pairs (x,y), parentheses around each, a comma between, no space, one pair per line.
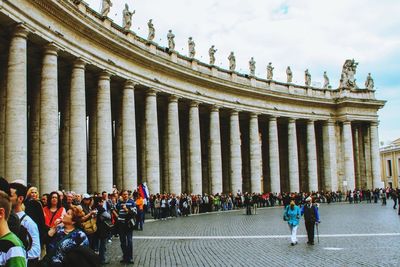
(350,235)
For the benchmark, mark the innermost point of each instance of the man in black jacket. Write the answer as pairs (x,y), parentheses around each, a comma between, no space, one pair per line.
(311,217)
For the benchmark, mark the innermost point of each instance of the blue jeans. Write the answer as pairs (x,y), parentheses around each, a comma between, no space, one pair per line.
(102,249)
(140,219)
(125,237)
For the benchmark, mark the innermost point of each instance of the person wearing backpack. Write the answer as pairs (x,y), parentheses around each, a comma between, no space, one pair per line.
(34,209)
(12,252)
(292,216)
(18,193)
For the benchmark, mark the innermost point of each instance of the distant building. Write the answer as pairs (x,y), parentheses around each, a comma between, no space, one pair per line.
(390,164)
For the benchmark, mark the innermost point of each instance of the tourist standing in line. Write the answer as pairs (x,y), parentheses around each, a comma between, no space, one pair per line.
(17,197)
(292,215)
(126,209)
(311,217)
(13,252)
(140,211)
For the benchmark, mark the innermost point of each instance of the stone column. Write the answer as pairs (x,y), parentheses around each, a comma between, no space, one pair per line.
(356,150)
(117,142)
(312,157)
(255,155)
(215,152)
(348,155)
(152,153)
(195,174)
(236,153)
(34,121)
(49,135)
(274,163)
(330,156)
(174,147)
(368,161)
(375,157)
(129,158)
(16,107)
(64,137)
(92,145)
(294,182)
(77,130)
(104,151)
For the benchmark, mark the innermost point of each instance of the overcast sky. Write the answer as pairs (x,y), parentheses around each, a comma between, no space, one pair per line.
(315,34)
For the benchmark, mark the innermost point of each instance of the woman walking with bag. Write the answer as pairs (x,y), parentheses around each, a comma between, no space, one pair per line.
(292,216)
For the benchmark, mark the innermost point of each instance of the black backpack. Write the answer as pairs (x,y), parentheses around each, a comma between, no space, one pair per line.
(19,230)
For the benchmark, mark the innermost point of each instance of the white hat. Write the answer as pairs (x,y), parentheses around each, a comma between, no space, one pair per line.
(86,195)
(308,199)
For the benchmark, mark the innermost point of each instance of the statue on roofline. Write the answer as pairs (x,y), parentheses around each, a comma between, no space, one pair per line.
(270,71)
(211,53)
(191,45)
(307,77)
(152,31)
(347,79)
(127,18)
(171,42)
(252,66)
(289,75)
(105,7)
(232,62)
(369,83)
(326,81)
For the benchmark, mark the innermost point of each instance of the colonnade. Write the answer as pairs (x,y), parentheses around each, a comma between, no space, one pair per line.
(78,141)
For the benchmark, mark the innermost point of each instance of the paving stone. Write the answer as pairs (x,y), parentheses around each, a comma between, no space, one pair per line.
(273,249)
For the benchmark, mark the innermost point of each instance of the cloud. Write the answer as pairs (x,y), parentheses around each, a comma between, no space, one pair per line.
(314,34)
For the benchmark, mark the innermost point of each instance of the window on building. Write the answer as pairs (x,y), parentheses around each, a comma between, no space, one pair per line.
(389,165)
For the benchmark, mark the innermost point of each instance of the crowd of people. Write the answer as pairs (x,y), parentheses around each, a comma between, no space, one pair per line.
(65,228)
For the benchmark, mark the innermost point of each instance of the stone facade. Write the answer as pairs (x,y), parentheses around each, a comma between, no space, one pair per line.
(390,164)
(85,104)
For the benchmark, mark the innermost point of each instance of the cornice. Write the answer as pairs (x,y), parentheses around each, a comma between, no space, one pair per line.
(91,26)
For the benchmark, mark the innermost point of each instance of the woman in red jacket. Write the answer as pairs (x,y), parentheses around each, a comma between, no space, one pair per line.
(54,210)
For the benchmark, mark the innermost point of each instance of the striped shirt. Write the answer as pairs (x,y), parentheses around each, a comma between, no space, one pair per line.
(12,251)
(122,215)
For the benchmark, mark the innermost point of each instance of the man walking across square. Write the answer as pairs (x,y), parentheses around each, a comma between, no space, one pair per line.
(311,217)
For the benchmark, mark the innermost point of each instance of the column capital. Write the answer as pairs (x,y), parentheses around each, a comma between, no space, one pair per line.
(51,49)
(151,92)
(374,123)
(194,104)
(254,115)
(104,75)
(273,117)
(292,120)
(347,122)
(21,31)
(129,85)
(215,108)
(173,98)
(329,122)
(234,112)
(79,63)
(310,121)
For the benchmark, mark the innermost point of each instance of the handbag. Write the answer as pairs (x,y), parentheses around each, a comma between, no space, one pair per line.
(131,224)
(285,215)
(108,225)
(89,226)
